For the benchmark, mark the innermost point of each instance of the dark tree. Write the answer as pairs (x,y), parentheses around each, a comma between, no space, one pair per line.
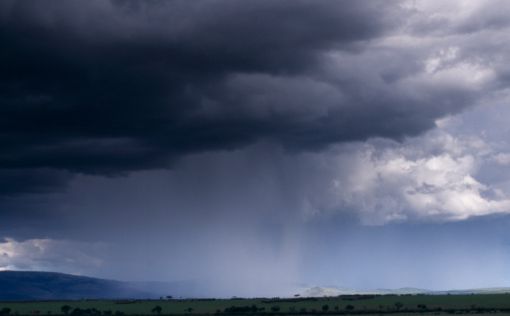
(65,309)
(5,311)
(398,305)
(275,308)
(325,308)
(157,310)
(77,312)
(349,307)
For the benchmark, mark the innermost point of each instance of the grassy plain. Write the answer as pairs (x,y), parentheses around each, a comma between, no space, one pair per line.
(350,304)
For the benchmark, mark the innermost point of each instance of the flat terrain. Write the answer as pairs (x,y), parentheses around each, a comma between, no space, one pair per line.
(349,304)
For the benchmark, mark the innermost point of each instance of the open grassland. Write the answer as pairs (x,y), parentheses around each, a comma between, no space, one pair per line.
(349,304)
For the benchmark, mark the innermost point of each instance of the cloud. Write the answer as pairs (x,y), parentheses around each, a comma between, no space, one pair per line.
(457,17)
(175,84)
(50,255)
(502,159)
(34,181)
(109,88)
(431,179)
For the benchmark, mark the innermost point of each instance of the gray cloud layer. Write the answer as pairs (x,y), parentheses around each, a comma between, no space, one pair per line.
(110,87)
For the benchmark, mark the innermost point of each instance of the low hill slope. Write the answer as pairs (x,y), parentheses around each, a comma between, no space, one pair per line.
(28,285)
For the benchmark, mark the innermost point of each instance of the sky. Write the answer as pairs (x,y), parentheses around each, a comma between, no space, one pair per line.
(256,146)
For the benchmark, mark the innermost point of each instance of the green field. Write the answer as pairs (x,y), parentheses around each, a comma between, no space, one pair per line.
(350,304)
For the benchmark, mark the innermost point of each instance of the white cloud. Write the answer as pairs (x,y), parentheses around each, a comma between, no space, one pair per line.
(502,159)
(50,255)
(433,177)
(433,63)
(464,16)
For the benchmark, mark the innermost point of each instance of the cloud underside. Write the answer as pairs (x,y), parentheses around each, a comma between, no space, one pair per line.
(49,255)
(160,80)
(107,88)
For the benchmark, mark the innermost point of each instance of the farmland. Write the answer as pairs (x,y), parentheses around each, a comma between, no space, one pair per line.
(474,304)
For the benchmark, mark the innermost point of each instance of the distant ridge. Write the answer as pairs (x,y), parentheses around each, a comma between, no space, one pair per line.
(489,290)
(318,291)
(29,285)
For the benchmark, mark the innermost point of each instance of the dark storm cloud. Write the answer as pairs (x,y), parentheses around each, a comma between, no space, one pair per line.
(111,87)
(40,180)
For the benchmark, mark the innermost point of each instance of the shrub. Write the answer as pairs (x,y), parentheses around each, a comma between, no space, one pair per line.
(157,309)
(65,309)
(5,311)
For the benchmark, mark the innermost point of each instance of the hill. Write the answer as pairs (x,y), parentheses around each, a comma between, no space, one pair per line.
(318,291)
(28,285)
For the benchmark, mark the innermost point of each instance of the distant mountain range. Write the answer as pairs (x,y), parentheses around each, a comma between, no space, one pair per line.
(317,291)
(29,285)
